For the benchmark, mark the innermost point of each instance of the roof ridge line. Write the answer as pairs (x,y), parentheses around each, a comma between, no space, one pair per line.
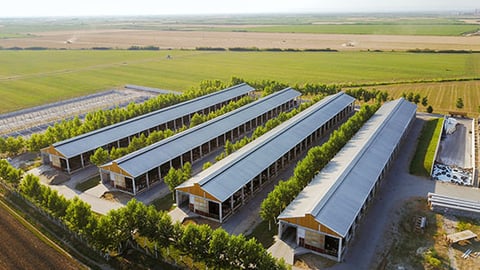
(322,202)
(197,127)
(279,129)
(136,118)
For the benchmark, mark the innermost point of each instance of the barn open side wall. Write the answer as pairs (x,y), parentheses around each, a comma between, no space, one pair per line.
(309,223)
(145,180)
(83,160)
(246,192)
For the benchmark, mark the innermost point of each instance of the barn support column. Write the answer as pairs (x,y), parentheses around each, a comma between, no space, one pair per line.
(81,160)
(220,213)
(339,255)
(68,165)
(148,181)
(134,189)
(243,195)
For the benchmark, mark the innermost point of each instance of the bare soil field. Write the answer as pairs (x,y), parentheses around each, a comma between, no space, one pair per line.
(20,249)
(190,39)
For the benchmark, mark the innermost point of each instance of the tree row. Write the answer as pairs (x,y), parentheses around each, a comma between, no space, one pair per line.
(317,158)
(111,232)
(101,155)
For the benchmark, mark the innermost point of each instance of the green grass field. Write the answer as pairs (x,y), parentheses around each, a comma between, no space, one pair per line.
(393,24)
(29,78)
(371,29)
(422,161)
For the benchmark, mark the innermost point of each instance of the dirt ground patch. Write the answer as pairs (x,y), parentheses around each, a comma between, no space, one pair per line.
(190,39)
(200,221)
(313,262)
(20,249)
(410,248)
(52,176)
(116,196)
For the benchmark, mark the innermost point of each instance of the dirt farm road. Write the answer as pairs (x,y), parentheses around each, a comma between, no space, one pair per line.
(369,244)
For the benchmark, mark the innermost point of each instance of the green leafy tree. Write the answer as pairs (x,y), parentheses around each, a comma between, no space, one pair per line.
(206,165)
(173,179)
(3,145)
(186,171)
(218,248)
(57,204)
(316,158)
(459,103)
(78,215)
(425,101)
(30,186)
(166,232)
(196,120)
(99,157)
(410,96)
(430,109)
(416,98)
(196,241)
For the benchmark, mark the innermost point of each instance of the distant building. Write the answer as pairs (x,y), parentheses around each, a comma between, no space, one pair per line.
(324,216)
(224,187)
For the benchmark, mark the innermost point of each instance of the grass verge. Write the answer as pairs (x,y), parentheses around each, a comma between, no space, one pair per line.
(165,203)
(88,184)
(263,235)
(427,143)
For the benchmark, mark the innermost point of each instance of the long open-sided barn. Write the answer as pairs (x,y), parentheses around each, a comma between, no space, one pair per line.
(74,153)
(326,213)
(141,168)
(219,190)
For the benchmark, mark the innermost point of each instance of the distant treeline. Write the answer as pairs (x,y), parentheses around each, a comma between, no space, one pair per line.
(233,49)
(255,49)
(440,51)
(144,48)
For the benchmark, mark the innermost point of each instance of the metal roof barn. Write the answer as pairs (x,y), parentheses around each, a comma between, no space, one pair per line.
(227,176)
(150,157)
(98,138)
(338,192)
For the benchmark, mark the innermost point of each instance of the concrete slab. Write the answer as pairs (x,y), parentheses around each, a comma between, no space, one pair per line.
(281,249)
(456,148)
(179,214)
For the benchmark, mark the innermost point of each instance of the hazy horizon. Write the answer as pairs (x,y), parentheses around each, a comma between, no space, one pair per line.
(86,8)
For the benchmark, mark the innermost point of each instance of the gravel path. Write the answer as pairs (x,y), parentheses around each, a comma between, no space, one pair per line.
(398,186)
(371,241)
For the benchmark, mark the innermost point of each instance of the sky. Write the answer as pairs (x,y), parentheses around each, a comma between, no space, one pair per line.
(35,8)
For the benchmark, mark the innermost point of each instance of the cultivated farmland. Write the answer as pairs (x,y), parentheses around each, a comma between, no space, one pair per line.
(124,38)
(66,74)
(21,249)
(442,96)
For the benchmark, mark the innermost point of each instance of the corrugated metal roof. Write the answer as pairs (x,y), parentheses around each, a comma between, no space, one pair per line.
(338,192)
(227,176)
(143,160)
(100,137)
